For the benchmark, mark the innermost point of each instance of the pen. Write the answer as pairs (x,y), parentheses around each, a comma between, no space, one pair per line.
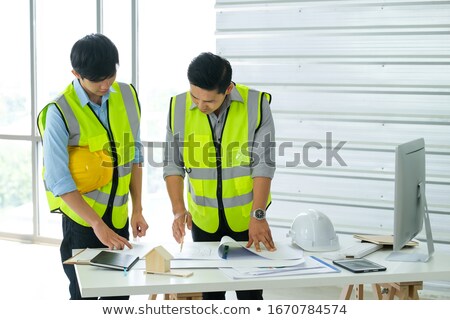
(182,239)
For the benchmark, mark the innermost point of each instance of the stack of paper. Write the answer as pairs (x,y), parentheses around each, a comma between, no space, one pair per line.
(231,253)
(311,265)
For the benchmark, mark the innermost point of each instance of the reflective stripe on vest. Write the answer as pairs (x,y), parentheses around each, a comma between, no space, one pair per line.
(209,188)
(123,106)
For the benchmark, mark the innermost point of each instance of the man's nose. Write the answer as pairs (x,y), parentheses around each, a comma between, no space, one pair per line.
(105,84)
(200,104)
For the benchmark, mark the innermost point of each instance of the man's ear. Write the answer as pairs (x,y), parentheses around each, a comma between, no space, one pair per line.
(230,88)
(76,74)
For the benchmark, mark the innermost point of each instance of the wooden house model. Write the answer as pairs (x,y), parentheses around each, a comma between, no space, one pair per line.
(157,260)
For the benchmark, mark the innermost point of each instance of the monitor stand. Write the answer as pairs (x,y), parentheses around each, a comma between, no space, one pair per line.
(417,257)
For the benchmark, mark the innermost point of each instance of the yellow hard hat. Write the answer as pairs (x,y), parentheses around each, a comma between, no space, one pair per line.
(90,170)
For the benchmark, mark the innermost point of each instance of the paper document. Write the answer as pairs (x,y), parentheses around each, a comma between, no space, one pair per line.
(229,263)
(228,248)
(310,265)
(230,253)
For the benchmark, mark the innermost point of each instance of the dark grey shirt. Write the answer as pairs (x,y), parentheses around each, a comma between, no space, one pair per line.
(263,144)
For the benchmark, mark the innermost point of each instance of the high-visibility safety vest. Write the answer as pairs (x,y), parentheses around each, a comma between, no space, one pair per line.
(219,173)
(86,130)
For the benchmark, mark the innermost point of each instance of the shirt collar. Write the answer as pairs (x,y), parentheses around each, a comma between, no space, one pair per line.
(233,96)
(84,98)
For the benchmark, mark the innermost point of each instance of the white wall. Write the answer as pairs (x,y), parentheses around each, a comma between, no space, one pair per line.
(373,74)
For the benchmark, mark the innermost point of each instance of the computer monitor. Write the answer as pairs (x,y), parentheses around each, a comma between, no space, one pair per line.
(410,204)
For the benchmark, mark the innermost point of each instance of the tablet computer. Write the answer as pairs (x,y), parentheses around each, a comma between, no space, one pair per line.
(114,260)
(359,265)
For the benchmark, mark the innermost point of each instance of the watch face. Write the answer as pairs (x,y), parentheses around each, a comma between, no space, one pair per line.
(260,214)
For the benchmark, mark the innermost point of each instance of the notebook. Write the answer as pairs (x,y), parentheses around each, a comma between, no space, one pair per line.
(114,260)
(381,239)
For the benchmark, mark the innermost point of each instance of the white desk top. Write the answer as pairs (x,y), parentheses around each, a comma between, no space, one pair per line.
(96,281)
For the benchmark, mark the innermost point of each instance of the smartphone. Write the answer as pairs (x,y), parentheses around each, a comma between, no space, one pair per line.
(359,265)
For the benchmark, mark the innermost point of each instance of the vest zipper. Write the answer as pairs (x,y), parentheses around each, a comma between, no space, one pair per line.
(217,147)
(115,178)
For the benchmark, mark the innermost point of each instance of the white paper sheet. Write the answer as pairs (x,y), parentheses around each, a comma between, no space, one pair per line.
(285,249)
(209,255)
(235,250)
(229,263)
(310,265)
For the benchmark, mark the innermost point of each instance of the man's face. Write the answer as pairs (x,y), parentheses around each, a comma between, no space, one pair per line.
(207,101)
(95,89)
(99,88)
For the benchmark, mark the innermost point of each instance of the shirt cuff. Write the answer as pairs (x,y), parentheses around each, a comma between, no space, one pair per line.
(63,186)
(173,171)
(263,171)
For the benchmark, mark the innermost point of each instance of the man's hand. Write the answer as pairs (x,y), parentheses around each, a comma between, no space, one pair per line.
(259,231)
(105,234)
(180,221)
(109,238)
(138,224)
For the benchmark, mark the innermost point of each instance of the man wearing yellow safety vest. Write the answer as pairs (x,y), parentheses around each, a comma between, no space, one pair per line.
(92,155)
(222,135)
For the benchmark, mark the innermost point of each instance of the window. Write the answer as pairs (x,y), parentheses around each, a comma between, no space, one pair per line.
(117,26)
(165,51)
(55,36)
(168,40)
(15,115)
(16,212)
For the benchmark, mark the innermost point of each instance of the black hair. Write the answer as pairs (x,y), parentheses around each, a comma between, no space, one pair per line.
(210,72)
(95,57)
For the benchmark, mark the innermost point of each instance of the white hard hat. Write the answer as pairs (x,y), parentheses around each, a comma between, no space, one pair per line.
(313,231)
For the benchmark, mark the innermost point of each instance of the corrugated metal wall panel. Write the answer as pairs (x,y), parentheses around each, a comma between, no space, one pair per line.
(341,46)
(368,74)
(373,15)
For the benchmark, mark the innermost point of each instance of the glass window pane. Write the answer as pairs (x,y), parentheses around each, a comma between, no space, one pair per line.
(56,34)
(119,33)
(16,205)
(155,201)
(168,40)
(49,223)
(15,115)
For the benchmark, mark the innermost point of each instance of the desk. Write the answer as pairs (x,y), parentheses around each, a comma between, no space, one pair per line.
(96,281)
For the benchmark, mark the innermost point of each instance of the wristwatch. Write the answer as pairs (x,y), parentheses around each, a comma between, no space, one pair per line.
(259,214)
